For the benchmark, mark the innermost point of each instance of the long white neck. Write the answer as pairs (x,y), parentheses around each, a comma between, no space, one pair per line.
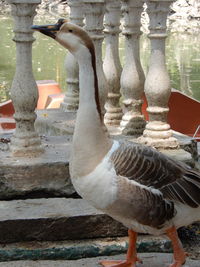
(86,79)
(90,141)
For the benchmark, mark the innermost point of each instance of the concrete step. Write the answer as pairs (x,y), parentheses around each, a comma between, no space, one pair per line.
(45,175)
(54,219)
(149,260)
(66,229)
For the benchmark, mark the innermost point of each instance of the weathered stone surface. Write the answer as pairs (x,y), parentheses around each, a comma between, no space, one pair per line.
(71,100)
(178,154)
(132,78)
(187,153)
(157,86)
(65,252)
(73,250)
(149,260)
(48,173)
(25,140)
(111,64)
(55,122)
(54,219)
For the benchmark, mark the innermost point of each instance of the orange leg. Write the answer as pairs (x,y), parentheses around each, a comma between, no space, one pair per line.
(131,257)
(179,253)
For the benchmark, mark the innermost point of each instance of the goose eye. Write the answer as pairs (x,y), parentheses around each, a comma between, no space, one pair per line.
(70,30)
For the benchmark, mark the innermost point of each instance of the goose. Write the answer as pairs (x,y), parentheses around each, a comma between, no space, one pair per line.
(140,187)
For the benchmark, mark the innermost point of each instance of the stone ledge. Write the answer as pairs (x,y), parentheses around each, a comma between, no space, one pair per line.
(48,173)
(50,219)
(73,250)
(54,219)
(77,253)
(55,122)
(58,122)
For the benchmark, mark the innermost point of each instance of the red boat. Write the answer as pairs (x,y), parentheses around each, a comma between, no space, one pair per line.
(184,114)
(46,88)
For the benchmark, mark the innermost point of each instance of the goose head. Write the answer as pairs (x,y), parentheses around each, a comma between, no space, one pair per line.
(77,41)
(69,35)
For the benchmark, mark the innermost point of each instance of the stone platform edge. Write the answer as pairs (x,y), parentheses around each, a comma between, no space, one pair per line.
(73,250)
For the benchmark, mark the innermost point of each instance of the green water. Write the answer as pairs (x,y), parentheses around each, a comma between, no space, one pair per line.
(182,56)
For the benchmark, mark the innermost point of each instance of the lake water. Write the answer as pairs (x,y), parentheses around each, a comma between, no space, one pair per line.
(182,57)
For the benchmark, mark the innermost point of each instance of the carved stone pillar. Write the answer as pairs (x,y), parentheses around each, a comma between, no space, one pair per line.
(132,79)
(94,14)
(112,66)
(24,94)
(157,85)
(71,99)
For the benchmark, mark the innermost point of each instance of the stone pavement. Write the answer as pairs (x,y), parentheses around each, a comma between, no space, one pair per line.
(149,260)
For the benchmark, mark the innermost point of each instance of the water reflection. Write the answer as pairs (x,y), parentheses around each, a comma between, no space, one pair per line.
(182,50)
(183,63)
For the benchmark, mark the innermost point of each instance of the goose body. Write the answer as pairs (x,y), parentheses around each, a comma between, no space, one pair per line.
(136,198)
(136,185)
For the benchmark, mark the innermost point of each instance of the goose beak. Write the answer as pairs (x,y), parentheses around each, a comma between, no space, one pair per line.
(51,29)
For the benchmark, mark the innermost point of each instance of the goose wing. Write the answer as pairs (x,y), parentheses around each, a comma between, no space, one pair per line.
(148,167)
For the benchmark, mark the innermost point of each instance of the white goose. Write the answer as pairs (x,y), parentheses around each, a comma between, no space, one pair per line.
(136,185)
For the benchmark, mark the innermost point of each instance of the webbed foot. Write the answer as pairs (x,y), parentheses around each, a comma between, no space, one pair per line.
(118,263)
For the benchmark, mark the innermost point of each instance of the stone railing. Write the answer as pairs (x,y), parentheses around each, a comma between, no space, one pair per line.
(24,93)
(103,20)
(157,84)
(130,81)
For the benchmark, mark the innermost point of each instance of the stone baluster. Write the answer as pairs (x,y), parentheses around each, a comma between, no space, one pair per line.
(132,78)
(112,66)
(157,85)
(24,93)
(71,99)
(94,14)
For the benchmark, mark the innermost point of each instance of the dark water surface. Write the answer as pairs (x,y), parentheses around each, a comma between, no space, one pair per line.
(182,55)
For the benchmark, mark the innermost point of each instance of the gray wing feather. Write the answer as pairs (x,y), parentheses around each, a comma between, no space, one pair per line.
(149,167)
(138,203)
